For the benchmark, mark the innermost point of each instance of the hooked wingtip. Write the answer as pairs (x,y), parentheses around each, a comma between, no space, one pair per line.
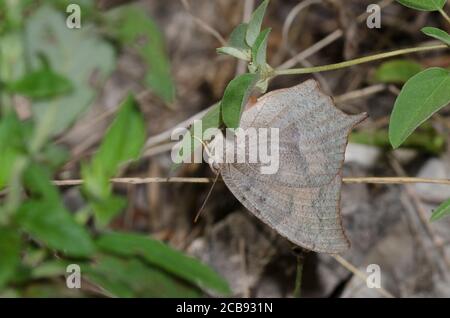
(358,118)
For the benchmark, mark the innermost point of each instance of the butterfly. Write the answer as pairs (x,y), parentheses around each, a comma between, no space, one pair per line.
(301,201)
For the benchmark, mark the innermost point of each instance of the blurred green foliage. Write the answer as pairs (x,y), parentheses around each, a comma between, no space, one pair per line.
(52,66)
(122,143)
(41,84)
(133,28)
(397,71)
(425,139)
(75,54)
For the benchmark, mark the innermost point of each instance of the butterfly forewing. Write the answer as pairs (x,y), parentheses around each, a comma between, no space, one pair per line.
(301,200)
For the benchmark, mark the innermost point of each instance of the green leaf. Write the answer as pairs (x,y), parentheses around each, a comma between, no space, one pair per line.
(397,71)
(237,37)
(123,140)
(54,226)
(50,290)
(135,28)
(74,54)
(50,269)
(41,84)
(9,157)
(54,156)
(160,255)
(237,53)
(45,218)
(210,120)
(133,278)
(9,254)
(13,136)
(13,132)
(423,5)
(259,48)
(122,143)
(437,34)
(254,25)
(107,273)
(235,97)
(441,211)
(237,47)
(107,208)
(422,96)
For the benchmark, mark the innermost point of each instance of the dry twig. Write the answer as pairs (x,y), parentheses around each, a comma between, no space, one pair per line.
(373,180)
(353,269)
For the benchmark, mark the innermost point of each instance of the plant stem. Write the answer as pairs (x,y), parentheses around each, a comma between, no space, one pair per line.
(361,275)
(300,254)
(374,180)
(445,15)
(298,278)
(395,180)
(330,67)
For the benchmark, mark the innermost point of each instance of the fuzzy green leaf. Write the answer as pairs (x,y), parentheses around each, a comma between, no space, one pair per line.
(237,47)
(232,51)
(235,97)
(259,48)
(254,25)
(237,37)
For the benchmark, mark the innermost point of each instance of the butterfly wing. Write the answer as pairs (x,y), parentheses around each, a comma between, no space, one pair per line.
(301,200)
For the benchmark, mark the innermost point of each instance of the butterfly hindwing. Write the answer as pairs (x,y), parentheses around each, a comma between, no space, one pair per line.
(301,200)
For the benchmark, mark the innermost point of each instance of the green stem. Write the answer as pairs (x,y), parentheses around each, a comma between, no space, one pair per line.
(298,278)
(330,67)
(445,15)
(300,254)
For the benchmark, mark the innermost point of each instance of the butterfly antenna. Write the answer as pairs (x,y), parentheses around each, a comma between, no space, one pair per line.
(207,197)
(214,183)
(204,145)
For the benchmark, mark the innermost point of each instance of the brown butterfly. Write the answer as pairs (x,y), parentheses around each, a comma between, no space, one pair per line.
(301,201)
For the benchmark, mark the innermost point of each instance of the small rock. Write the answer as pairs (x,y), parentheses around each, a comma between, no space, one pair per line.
(434,193)
(363,155)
